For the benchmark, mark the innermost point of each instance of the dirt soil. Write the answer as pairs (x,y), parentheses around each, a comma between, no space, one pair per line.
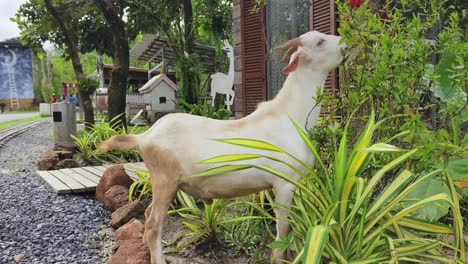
(206,253)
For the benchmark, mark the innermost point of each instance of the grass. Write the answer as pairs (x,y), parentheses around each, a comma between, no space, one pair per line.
(9,124)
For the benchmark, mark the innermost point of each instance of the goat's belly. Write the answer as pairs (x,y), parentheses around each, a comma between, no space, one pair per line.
(223,187)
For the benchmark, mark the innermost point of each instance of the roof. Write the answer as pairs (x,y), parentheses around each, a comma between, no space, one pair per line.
(130,69)
(13,42)
(151,45)
(153,82)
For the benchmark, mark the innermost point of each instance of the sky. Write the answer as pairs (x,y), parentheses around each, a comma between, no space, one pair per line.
(8,9)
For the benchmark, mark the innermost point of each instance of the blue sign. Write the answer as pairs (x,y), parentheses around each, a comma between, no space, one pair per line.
(15,73)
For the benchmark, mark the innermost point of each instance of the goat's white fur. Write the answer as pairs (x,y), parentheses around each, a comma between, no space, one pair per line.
(174,145)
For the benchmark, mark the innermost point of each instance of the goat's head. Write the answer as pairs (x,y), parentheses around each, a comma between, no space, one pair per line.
(315,51)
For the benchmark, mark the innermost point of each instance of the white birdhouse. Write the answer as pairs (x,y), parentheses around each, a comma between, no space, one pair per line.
(163,93)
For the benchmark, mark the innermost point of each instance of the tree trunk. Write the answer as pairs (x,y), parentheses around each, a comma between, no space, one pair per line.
(118,83)
(71,43)
(190,80)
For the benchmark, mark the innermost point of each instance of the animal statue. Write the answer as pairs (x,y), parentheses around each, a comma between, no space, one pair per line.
(173,146)
(222,83)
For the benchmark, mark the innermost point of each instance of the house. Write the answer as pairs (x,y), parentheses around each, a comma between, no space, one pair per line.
(257,30)
(16,75)
(256,33)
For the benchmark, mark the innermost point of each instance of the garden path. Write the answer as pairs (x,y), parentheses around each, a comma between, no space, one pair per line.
(16,116)
(36,224)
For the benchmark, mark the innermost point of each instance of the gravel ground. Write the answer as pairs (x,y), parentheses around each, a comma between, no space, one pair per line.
(37,225)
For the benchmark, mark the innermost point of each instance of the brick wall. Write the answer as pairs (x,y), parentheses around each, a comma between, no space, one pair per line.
(237,32)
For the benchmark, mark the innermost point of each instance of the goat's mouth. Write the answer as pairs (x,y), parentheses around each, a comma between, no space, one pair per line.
(350,52)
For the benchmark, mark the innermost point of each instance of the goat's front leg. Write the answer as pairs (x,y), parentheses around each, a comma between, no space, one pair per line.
(283,197)
(163,193)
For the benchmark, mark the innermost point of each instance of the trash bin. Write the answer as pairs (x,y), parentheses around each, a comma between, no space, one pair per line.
(64,117)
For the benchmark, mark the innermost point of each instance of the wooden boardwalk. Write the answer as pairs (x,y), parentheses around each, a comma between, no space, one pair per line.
(84,179)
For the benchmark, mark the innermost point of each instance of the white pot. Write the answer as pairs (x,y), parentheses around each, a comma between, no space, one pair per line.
(44,109)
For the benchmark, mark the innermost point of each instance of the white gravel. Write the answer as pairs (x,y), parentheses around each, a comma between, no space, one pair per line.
(36,224)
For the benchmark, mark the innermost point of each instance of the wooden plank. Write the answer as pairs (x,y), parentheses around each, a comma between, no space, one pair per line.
(141,165)
(135,166)
(131,173)
(70,182)
(101,168)
(90,185)
(56,184)
(91,176)
(93,170)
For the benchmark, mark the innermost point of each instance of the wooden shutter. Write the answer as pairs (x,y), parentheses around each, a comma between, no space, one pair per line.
(253,56)
(323,19)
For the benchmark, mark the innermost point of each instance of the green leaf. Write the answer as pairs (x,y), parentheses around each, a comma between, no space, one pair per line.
(222,170)
(251,143)
(381,147)
(230,158)
(317,238)
(427,188)
(458,168)
(445,88)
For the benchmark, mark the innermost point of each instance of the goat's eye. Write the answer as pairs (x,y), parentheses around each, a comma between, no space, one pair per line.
(321,42)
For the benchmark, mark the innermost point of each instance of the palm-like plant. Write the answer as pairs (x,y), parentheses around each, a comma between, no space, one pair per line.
(339,217)
(102,131)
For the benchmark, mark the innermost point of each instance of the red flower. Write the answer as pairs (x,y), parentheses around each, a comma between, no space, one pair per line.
(384,15)
(355,3)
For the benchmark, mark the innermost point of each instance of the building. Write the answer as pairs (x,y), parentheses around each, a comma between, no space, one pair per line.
(258,30)
(16,75)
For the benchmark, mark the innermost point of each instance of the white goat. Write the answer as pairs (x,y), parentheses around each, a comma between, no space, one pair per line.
(174,145)
(222,83)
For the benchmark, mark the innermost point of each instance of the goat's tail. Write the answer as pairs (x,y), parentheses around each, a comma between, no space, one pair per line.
(121,142)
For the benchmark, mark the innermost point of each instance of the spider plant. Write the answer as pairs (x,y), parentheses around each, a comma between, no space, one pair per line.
(339,216)
(140,187)
(204,223)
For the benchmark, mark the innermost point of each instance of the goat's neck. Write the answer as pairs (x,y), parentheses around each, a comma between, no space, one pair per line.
(296,98)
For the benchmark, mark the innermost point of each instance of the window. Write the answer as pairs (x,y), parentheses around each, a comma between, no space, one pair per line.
(162,100)
(286,19)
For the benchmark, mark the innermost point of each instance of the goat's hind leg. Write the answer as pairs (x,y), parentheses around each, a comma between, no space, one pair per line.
(164,191)
(283,196)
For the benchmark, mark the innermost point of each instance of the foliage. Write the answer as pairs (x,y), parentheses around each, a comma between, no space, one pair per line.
(141,187)
(102,131)
(47,92)
(422,99)
(88,85)
(339,210)
(85,21)
(201,224)
(203,110)
(182,23)
(248,237)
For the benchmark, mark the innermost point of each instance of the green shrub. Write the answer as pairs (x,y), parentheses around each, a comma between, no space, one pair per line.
(88,85)
(203,110)
(102,131)
(141,187)
(47,92)
(340,216)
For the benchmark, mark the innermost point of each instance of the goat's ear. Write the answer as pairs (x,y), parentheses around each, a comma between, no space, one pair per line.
(294,62)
